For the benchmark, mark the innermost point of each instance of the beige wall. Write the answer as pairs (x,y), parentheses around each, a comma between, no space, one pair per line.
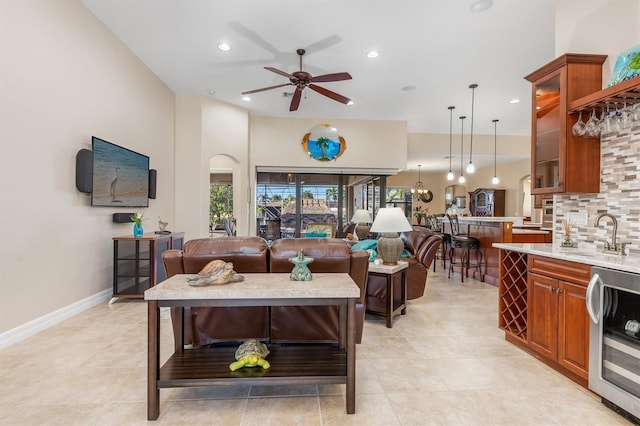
(276,142)
(63,78)
(206,128)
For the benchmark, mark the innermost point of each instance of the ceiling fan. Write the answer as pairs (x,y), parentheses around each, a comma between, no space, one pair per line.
(301,79)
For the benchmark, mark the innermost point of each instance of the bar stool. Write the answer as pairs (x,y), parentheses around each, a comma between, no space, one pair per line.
(435,225)
(464,243)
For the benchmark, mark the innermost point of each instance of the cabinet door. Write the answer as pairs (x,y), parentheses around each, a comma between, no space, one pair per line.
(573,328)
(548,133)
(542,314)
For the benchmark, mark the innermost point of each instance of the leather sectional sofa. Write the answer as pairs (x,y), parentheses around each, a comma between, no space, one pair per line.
(286,325)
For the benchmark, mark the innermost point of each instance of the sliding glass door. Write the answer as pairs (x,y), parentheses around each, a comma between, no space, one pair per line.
(286,203)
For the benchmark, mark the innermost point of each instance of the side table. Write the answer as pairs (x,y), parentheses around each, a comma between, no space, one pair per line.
(390,272)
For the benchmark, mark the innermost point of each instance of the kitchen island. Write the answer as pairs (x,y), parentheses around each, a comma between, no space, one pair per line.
(490,230)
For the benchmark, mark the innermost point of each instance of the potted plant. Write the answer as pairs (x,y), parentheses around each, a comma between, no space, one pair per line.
(420,214)
(137,219)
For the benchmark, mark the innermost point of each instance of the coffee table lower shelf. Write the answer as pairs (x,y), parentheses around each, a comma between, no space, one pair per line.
(289,365)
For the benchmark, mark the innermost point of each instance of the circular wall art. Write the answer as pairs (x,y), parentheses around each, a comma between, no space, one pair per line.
(324,143)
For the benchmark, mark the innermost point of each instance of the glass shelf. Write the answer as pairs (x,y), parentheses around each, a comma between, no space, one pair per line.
(628,91)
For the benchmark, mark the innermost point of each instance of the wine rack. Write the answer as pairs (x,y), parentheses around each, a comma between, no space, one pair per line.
(512,305)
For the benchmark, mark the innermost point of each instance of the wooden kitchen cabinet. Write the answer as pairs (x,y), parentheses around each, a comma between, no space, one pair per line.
(560,161)
(558,323)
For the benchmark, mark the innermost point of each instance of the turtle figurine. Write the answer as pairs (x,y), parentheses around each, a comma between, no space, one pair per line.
(214,273)
(251,353)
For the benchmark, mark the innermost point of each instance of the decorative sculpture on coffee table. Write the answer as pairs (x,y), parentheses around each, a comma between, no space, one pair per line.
(300,271)
(215,272)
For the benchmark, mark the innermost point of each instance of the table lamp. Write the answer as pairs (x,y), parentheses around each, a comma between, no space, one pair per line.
(389,222)
(362,217)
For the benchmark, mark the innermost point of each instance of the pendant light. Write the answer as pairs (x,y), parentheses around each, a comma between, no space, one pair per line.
(495,179)
(470,167)
(461,179)
(451,108)
(418,189)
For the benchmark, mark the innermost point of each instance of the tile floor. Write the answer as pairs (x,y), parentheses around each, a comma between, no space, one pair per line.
(444,363)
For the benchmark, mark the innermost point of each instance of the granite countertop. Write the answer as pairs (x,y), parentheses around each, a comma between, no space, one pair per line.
(629,263)
(528,231)
(517,220)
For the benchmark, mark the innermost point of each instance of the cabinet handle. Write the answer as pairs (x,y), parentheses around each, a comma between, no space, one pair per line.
(559,290)
(551,289)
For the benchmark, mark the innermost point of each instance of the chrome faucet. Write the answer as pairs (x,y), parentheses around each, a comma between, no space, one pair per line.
(613,246)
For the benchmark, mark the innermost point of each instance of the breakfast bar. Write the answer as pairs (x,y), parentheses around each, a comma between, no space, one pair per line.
(490,230)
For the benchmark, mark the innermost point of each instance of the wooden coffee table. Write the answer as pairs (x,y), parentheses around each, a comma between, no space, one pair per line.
(301,364)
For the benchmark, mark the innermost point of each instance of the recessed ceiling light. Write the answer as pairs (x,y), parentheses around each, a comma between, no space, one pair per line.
(224,47)
(481,5)
(372,54)
(211,92)
(246,98)
(408,88)
(514,101)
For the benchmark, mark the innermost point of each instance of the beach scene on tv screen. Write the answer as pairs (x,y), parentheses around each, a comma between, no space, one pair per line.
(120,176)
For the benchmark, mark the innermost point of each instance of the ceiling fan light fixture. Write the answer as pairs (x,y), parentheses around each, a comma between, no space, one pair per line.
(301,80)
(223,46)
(350,102)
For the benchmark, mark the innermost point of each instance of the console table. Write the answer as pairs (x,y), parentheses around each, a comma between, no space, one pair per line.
(390,272)
(318,364)
(137,262)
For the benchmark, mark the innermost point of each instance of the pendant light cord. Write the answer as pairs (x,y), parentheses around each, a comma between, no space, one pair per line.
(462,144)
(495,147)
(473,91)
(451,108)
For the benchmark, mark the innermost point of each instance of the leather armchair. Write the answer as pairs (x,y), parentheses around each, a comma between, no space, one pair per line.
(422,246)
(317,324)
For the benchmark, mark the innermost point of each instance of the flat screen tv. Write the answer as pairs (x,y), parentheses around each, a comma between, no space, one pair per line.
(120,176)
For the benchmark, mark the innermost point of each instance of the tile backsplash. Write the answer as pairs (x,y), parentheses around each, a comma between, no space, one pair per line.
(619,195)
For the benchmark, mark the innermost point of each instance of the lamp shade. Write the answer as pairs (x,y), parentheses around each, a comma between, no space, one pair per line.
(361,216)
(389,221)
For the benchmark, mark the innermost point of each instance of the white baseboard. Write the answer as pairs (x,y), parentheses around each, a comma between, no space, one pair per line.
(32,327)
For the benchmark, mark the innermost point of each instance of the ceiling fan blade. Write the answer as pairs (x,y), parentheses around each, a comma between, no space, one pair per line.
(277,71)
(323,44)
(250,35)
(338,76)
(328,93)
(265,88)
(232,64)
(295,101)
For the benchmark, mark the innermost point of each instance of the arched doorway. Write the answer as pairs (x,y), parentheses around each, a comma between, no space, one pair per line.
(525,200)
(223,204)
